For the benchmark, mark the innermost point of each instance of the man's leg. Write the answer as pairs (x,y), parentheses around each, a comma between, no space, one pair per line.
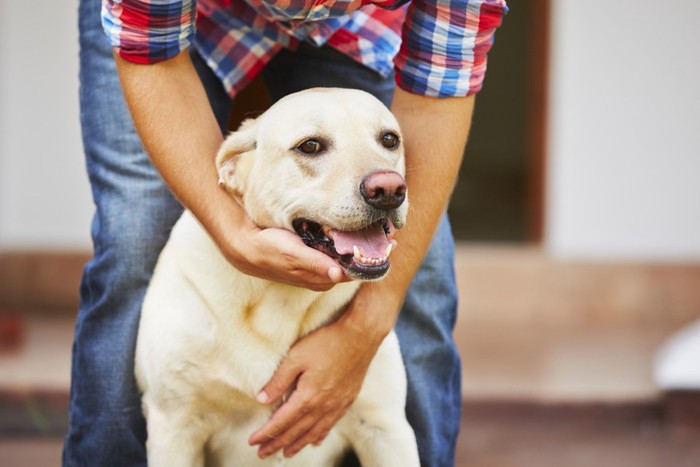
(429,313)
(134,214)
(433,366)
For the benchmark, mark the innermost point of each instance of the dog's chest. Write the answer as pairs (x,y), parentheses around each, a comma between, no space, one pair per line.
(246,325)
(280,314)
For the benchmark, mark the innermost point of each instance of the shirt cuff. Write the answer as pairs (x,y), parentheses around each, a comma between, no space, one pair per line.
(148,32)
(445,44)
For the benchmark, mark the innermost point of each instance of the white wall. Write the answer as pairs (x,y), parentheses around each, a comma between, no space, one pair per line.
(45,200)
(624,162)
(624,147)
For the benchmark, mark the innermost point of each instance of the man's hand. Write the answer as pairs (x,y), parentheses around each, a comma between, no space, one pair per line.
(328,366)
(279,255)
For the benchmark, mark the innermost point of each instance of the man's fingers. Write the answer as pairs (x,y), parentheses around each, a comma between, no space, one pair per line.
(281,256)
(336,275)
(281,382)
(287,415)
(319,264)
(314,435)
(293,433)
(287,437)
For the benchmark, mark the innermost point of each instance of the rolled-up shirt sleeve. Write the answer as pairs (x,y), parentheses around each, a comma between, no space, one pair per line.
(444,46)
(149,31)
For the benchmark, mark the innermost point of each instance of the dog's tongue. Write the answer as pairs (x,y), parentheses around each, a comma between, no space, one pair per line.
(371,241)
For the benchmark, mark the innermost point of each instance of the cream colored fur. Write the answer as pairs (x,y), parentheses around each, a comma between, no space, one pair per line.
(211,337)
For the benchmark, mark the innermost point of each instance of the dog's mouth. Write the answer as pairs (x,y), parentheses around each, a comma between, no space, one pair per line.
(363,254)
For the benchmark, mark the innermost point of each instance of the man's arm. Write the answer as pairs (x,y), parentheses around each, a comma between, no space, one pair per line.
(329,365)
(173,117)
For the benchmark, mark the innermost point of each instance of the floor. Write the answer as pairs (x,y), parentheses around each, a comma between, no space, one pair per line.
(551,376)
(544,437)
(602,436)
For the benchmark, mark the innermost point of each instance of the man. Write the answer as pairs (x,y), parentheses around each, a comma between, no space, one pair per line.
(177,86)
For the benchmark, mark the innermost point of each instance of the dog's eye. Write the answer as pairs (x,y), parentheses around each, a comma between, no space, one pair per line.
(310,146)
(390,140)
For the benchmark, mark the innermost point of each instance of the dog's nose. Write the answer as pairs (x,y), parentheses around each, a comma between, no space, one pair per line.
(384,190)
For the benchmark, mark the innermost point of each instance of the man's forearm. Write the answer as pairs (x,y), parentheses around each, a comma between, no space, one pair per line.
(435,133)
(179,131)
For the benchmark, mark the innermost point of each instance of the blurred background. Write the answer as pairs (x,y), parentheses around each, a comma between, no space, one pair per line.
(577,215)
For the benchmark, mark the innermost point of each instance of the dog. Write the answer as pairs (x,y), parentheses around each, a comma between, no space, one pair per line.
(329,165)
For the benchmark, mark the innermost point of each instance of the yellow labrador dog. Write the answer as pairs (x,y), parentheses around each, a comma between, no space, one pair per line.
(327,164)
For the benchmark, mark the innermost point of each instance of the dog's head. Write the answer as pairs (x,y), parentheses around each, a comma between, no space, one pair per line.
(329,165)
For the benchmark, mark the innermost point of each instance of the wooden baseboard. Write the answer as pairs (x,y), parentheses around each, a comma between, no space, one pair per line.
(683,411)
(39,280)
(522,287)
(510,286)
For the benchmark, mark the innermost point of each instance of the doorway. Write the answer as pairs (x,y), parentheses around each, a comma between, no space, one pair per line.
(499,194)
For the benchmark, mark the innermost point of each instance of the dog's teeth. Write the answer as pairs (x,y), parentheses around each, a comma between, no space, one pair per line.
(372,261)
(388,250)
(356,252)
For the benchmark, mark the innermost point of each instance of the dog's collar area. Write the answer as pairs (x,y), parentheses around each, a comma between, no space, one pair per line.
(363,253)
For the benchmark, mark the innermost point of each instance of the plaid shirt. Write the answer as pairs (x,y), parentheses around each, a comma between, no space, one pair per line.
(443,51)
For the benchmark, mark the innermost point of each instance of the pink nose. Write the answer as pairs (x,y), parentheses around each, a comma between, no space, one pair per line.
(384,190)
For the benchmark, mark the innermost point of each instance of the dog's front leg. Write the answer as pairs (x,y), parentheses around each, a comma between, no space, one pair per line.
(174,440)
(376,424)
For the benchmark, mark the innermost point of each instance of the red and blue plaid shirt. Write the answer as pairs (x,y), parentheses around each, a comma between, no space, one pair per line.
(437,47)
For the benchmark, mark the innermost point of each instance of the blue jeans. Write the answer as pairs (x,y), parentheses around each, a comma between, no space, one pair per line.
(134,214)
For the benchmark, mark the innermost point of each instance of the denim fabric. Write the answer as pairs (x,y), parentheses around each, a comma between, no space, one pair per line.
(134,211)
(433,367)
(133,217)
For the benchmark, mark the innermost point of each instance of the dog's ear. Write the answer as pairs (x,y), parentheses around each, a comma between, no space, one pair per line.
(229,158)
